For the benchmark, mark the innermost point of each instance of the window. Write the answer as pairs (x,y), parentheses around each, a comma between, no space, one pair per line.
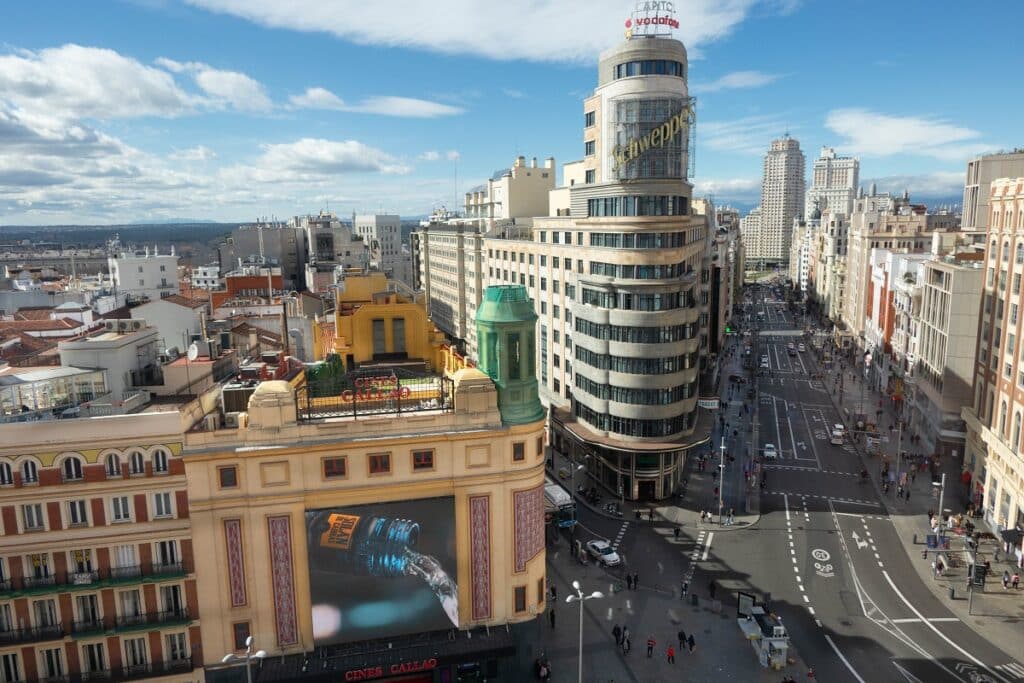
(121,511)
(518,451)
(590,176)
(134,652)
(39,565)
(76,513)
(380,463)
(138,463)
(170,599)
(94,658)
(334,468)
(32,516)
(162,504)
(540,446)
(588,148)
(113,465)
(175,647)
(520,599)
(53,662)
(29,472)
(71,470)
(160,461)
(6,475)
(588,119)
(45,612)
(241,633)
(81,561)
(422,460)
(228,477)
(10,672)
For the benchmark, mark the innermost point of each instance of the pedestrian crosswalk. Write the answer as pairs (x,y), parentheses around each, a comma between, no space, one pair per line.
(620,536)
(1013,669)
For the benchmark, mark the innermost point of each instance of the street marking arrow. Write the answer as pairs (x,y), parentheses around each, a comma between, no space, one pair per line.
(802,445)
(860,544)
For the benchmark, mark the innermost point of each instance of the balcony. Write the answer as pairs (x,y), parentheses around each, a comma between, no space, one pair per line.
(131,622)
(123,574)
(31,635)
(87,627)
(168,569)
(35,582)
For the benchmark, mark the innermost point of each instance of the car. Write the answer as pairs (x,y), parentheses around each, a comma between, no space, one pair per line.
(769,451)
(765,366)
(837,438)
(800,347)
(603,553)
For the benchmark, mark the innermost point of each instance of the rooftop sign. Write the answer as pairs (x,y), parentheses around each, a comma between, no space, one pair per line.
(652,18)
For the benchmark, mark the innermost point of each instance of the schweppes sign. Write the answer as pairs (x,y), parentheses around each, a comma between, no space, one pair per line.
(662,135)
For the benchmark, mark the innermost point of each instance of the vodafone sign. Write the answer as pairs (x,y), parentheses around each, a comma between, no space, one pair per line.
(652,17)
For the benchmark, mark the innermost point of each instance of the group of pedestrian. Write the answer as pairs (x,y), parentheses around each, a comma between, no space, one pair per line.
(622,639)
(1011,580)
(633,581)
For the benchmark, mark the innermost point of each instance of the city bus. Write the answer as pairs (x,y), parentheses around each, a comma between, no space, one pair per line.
(559,507)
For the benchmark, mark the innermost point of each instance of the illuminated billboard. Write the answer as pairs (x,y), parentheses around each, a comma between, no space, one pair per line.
(382,569)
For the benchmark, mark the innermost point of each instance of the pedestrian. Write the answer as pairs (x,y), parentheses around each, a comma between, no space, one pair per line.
(629,581)
(627,645)
(906,496)
(1015,580)
(651,642)
(1006,579)
(625,633)
(551,611)
(670,652)
(554,592)
(617,633)
(691,643)
(711,589)
(682,639)
(636,581)
(675,532)
(685,588)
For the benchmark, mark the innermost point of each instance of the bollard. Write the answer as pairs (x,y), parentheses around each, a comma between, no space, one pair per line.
(915,539)
(952,593)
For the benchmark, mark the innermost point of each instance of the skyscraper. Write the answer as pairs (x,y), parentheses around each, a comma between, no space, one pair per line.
(782,197)
(834,181)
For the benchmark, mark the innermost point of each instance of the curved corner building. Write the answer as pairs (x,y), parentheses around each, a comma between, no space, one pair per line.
(632,256)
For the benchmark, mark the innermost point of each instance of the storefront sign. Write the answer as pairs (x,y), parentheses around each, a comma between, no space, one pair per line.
(658,137)
(652,17)
(374,672)
(375,388)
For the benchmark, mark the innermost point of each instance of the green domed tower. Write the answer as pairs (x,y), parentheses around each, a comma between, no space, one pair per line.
(506,329)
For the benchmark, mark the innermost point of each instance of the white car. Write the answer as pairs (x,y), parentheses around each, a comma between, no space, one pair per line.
(603,553)
(769,451)
(800,347)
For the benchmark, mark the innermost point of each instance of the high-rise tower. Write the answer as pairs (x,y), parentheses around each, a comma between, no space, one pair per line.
(782,198)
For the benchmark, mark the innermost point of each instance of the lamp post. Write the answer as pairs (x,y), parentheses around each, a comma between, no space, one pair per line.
(573,468)
(721,479)
(232,658)
(942,494)
(581,598)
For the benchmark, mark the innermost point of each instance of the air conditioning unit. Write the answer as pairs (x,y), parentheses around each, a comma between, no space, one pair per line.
(137,325)
(124,325)
(211,423)
(235,420)
(111,325)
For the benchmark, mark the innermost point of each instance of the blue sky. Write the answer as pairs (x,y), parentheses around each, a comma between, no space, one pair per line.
(114,111)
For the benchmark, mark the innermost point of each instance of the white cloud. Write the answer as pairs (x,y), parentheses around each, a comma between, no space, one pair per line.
(513,93)
(737,80)
(453,155)
(223,87)
(198,153)
(430,155)
(555,31)
(74,82)
(384,105)
(946,184)
(748,135)
(310,158)
(872,134)
(743,189)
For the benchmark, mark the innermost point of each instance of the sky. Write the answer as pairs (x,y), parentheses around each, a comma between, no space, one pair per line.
(117,111)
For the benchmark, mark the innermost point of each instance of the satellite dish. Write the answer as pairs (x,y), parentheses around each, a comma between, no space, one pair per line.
(193,352)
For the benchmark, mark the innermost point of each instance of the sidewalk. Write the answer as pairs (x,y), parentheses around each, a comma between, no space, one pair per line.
(997,616)
(649,611)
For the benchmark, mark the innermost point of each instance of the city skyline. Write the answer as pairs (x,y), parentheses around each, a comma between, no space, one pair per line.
(209,109)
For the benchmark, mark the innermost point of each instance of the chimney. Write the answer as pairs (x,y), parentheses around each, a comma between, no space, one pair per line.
(533,164)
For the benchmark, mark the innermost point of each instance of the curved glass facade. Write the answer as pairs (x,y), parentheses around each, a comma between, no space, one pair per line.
(624,271)
(639,240)
(650,67)
(628,426)
(657,205)
(637,366)
(637,335)
(661,155)
(644,397)
(638,301)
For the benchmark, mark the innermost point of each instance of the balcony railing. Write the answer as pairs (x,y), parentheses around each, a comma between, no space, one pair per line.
(139,671)
(83,578)
(81,628)
(31,635)
(168,569)
(6,586)
(39,581)
(129,573)
(153,619)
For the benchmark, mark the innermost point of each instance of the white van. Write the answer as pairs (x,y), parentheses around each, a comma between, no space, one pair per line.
(837,438)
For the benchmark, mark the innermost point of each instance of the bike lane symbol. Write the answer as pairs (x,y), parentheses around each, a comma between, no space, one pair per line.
(822,566)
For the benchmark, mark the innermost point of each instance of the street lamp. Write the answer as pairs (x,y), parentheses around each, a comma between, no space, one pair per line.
(232,658)
(581,598)
(721,479)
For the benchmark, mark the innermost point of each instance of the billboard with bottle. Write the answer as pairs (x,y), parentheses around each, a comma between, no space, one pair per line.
(383,569)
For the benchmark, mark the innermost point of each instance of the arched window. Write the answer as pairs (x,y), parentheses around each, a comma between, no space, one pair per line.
(138,463)
(113,465)
(1002,419)
(160,461)
(6,476)
(29,472)
(1016,430)
(1006,251)
(71,469)
(1020,253)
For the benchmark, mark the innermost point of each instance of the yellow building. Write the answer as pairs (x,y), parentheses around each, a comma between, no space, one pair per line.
(386,517)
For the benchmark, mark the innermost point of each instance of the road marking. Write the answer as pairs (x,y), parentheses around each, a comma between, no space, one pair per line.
(844,660)
(707,546)
(785,501)
(939,633)
(618,538)
(1013,669)
(915,620)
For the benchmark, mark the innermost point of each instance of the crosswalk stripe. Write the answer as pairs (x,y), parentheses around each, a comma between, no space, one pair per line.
(1013,668)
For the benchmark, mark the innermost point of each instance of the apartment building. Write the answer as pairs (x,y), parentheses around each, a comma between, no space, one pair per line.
(143,275)
(834,183)
(981,171)
(515,192)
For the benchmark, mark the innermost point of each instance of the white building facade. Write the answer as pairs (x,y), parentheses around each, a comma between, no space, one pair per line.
(144,275)
(383,235)
(782,198)
(834,182)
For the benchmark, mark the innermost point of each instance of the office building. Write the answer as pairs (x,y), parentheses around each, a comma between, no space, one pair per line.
(750,234)
(270,243)
(993,462)
(382,234)
(981,171)
(834,183)
(141,275)
(782,198)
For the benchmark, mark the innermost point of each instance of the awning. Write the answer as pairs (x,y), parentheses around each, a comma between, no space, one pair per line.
(1012,536)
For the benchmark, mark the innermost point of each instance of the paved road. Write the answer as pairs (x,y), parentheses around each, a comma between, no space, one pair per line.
(828,552)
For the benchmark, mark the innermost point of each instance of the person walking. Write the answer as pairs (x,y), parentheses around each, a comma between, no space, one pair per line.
(711,589)
(636,581)
(651,643)
(627,645)
(629,581)
(670,653)
(551,611)
(554,592)
(683,589)
(906,496)
(691,643)
(1015,580)
(617,634)
(682,639)
(1006,579)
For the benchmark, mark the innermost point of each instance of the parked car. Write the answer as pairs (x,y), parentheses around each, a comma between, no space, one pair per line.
(800,347)
(769,451)
(603,553)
